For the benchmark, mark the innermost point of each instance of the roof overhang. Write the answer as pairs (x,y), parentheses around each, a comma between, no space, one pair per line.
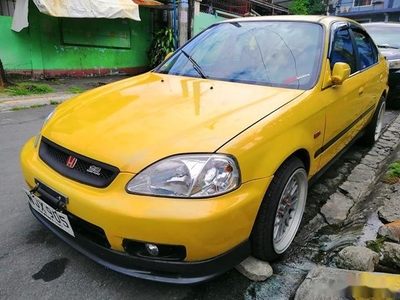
(149,3)
(276,5)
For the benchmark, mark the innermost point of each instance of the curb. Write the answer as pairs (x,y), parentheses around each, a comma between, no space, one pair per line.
(358,184)
(10,103)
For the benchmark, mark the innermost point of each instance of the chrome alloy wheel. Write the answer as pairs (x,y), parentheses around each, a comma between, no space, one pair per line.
(290,210)
(379,121)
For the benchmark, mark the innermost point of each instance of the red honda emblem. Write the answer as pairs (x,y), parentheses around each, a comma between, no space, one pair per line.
(71,162)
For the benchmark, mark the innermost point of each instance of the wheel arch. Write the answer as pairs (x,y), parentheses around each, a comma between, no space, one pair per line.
(384,94)
(304,156)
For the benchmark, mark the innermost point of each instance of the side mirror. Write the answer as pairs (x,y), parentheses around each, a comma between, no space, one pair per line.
(340,72)
(168,55)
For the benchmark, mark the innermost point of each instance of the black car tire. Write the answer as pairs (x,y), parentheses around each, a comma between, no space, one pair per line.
(265,242)
(375,127)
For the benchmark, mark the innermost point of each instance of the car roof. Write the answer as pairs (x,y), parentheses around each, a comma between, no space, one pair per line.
(297,18)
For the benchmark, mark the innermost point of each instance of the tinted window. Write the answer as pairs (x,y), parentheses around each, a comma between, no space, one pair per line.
(342,50)
(366,49)
(273,53)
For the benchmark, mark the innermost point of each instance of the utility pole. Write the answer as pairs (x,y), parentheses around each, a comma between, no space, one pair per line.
(192,13)
(183,21)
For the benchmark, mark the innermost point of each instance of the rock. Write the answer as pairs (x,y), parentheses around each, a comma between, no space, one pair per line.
(390,255)
(391,231)
(390,211)
(254,269)
(324,283)
(352,155)
(308,231)
(320,189)
(355,191)
(362,174)
(357,258)
(336,209)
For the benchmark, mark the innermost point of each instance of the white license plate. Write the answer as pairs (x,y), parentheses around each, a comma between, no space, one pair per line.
(55,217)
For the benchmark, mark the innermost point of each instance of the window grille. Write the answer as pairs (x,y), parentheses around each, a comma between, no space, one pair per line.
(7,7)
(237,7)
(362,2)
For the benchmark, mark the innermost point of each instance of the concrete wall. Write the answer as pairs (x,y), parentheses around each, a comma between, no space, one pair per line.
(15,48)
(203,20)
(76,47)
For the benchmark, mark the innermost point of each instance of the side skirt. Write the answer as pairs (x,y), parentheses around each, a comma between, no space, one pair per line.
(337,156)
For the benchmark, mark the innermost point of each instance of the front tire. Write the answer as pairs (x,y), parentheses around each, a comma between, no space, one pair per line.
(281,211)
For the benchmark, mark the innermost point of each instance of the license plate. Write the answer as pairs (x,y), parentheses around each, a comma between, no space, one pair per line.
(57,218)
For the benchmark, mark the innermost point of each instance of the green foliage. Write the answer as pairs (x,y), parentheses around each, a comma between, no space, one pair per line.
(161,45)
(37,105)
(76,90)
(393,174)
(24,89)
(16,108)
(316,7)
(307,7)
(376,245)
(299,7)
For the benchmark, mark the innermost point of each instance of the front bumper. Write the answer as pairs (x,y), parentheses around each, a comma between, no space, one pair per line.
(213,231)
(394,85)
(156,270)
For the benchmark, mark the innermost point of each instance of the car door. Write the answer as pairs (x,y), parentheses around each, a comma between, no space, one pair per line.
(368,60)
(345,103)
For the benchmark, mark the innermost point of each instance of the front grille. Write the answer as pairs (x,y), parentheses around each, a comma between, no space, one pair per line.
(76,166)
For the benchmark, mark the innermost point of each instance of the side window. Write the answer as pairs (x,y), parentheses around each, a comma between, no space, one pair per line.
(342,50)
(366,49)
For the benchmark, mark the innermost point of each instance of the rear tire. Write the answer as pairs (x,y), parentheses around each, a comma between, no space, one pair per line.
(281,211)
(374,129)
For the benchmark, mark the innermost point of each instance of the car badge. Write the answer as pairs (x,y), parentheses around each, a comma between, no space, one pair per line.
(94,170)
(71,162)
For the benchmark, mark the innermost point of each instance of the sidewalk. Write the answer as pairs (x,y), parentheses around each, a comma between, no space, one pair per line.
(63,90)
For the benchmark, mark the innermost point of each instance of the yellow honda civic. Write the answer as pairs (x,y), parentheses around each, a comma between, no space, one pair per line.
(179,174)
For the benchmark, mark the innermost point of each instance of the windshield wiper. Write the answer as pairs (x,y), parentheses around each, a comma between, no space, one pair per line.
(387,46)
(195,65)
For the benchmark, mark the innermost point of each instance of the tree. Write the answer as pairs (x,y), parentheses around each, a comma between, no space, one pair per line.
(307,7)
(4,80)
(316,7)
(299,7)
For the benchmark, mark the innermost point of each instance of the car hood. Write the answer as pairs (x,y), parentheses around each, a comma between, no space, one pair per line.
(135,122)
(390,53)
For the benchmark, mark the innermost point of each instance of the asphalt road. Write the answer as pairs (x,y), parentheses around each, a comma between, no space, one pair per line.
(34,264)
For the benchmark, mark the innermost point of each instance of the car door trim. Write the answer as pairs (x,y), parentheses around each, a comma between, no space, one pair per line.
(342,133)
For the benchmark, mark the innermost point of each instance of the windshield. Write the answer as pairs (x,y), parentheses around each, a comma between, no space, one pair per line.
(385,35)
(273,53)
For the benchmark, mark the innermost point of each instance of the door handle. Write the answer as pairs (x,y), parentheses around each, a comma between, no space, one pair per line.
(360,91)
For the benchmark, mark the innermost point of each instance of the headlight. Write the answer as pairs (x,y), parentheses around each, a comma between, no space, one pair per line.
(393,63)
(188,176)
(45,121)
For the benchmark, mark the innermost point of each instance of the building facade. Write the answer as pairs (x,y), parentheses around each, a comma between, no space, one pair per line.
(367,10)
(56,46)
